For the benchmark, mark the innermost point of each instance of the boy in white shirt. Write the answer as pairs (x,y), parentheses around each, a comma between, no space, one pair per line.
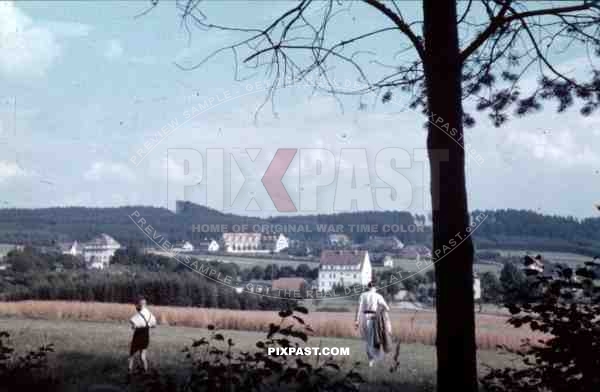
(141,322)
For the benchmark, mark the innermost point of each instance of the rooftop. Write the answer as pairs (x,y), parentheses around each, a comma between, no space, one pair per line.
(104,241)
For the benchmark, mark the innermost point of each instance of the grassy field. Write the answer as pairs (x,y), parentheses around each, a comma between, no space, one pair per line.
(245,262)
(408,326)
(554,257)
(410,265)
(89,353)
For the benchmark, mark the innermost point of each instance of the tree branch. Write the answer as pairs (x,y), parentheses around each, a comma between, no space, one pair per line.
(494,25)
(401,24)
(502,19)
(556,11)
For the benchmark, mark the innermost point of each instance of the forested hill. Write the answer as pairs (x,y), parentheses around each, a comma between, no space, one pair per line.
(529,223)
(522,229)
(514,229)
(46,226)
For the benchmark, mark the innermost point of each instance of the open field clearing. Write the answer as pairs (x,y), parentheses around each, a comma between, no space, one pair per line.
(554,257)
(408,327)
(88,353)
(482,268)
(411,265)
(247,262)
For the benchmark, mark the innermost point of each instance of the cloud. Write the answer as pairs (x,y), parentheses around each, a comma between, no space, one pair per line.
(10,170)
(561,148)
(26,49)
(143,60)
(114,50)
(68,29)
(102,171)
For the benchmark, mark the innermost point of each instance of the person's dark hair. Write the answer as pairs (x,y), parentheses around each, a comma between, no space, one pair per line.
(140,304)
(372,284)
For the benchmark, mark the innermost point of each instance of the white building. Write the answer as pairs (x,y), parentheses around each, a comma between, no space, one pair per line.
(282,243)
(212,246)
(71,248)
(381,260)
(535,264)
(241,242)
(339,239)
(254,243)
(5,249)
(476,287)
(388,262)
(345,268)
(98,251)
(185,246)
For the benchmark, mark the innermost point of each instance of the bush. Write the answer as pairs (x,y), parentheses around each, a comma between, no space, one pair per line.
(215,367)
(491,289)
(569,359)
(24,371)
(515,286)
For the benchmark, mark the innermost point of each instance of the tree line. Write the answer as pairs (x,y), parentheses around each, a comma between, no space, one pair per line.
(36,275)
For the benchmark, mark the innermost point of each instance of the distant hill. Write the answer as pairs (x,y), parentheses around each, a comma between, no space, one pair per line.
(523,229)
(42,226)
(46,226)
(502,229)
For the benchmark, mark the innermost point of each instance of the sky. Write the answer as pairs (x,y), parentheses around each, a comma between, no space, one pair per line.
(86,86)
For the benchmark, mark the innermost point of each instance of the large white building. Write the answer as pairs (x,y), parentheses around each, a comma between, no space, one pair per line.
(96,253)
(254,243)
(345,268)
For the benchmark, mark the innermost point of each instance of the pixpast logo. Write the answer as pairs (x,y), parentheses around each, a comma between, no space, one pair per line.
(352,180)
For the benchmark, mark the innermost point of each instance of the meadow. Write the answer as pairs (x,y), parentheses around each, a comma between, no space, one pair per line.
(408,326)
(93,353)
(245,262)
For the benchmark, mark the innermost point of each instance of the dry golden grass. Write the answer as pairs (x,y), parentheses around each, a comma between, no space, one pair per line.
(408,327)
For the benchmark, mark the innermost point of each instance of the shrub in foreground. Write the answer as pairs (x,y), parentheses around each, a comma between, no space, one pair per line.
(24,371)
(568,309)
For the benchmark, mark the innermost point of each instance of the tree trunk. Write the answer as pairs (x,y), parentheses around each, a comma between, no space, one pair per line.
(456,349)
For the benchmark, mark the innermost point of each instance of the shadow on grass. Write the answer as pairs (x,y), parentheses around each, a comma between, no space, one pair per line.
(84,372)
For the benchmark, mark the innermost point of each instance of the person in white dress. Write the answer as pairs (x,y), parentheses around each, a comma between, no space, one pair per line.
(368,303)
(140,322)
